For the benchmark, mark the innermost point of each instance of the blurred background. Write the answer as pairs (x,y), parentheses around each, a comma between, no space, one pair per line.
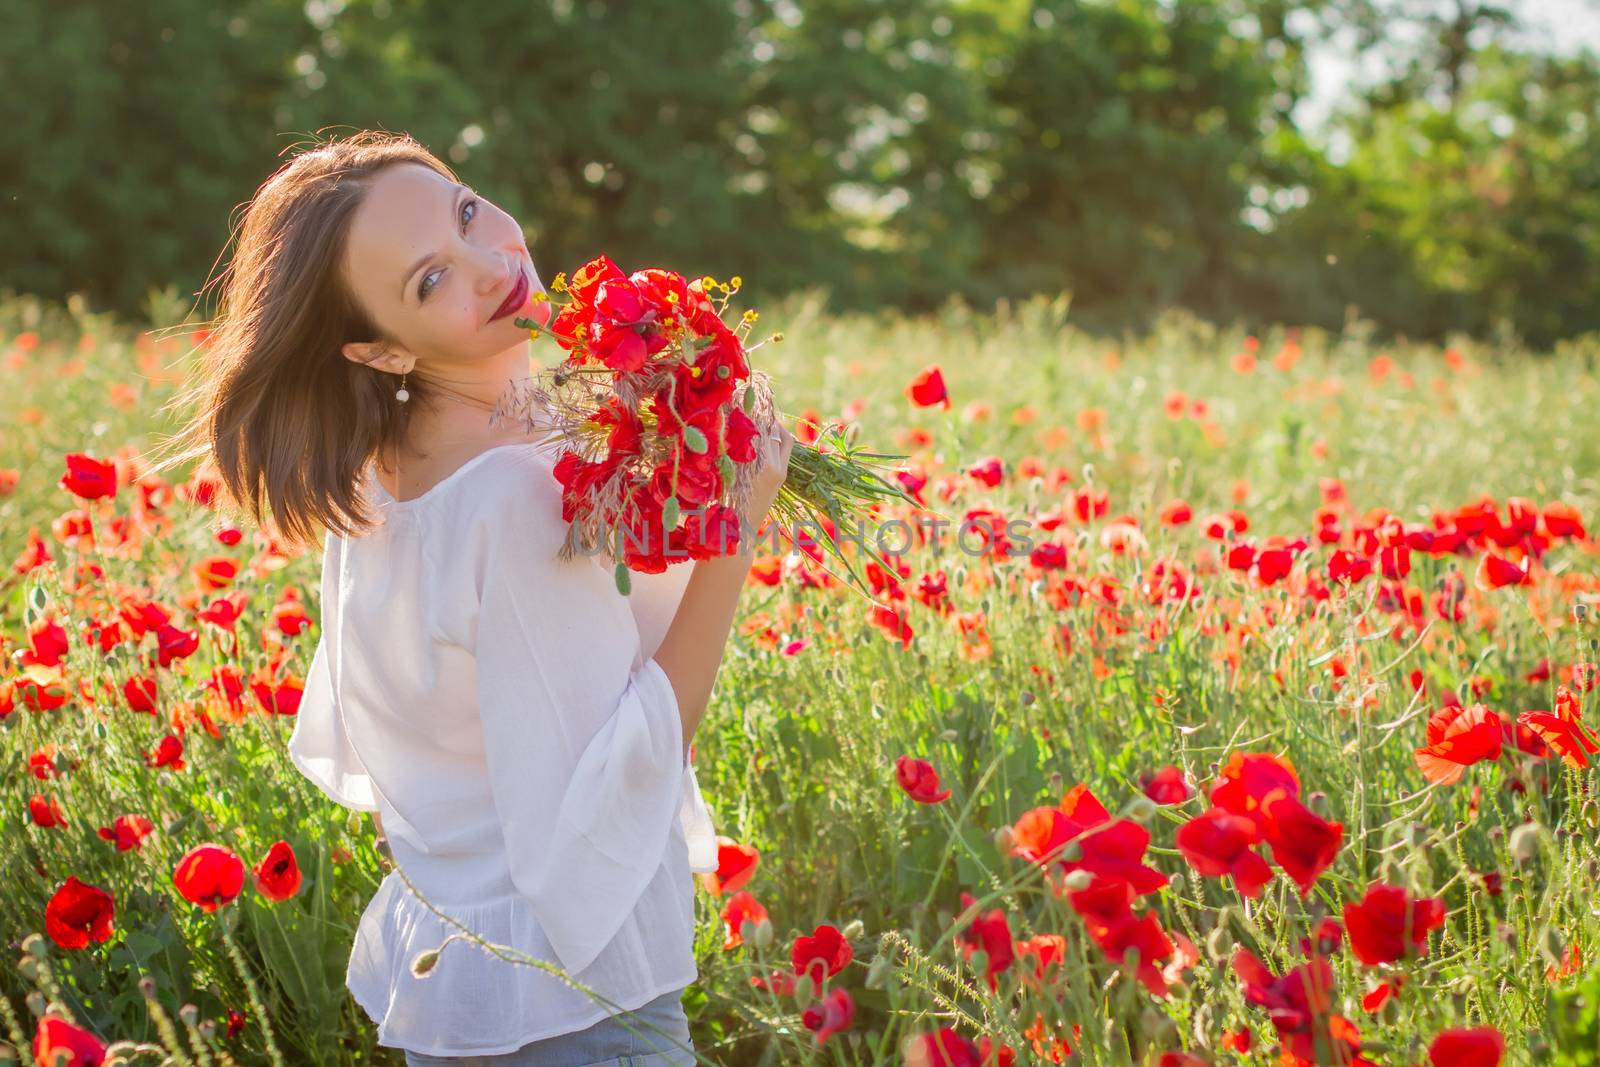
(1427,165)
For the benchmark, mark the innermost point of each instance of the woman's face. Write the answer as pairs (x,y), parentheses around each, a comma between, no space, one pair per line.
(431,261)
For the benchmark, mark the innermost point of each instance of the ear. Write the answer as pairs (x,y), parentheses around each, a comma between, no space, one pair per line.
(375,355)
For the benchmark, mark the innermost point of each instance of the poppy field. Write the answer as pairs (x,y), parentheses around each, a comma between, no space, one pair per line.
(1241,708)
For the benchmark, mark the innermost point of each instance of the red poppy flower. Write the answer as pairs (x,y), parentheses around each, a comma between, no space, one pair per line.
(1566,737)
(1176,513)
(1115,851)
(1457,738)
(781,983)
(1384,992)
(989,471)
(927,388)
(1247,779)
(1480,1046)
(1325,939)
(1496,572)
(1056,834)
(1167,786)
(47,643)
(894,624)
(990,932)
(56,1036)
(741,906)
(996,1053)
(42,764)
(46,812)
(736,865)
(1141,934)
(168,753)
(920,781)
(946,1048)
(78,913)
(140,692)
(209,876)
(822,953)
(278,873)
(1218,843)
(128,831)
(1300,1005)
(1387,925)
(1303,843)
(831,1015)
(88,478)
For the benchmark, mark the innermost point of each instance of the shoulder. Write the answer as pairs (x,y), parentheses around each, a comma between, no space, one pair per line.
(511,504)
(517,482)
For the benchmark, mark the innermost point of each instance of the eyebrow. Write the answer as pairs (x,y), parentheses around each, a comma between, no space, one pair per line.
(423,259)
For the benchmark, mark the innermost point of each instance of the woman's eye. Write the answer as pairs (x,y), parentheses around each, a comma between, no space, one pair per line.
(423,289)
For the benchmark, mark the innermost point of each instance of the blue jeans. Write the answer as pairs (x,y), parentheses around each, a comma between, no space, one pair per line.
(608,1043)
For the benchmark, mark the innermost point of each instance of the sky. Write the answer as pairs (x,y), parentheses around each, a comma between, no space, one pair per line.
(1560,26)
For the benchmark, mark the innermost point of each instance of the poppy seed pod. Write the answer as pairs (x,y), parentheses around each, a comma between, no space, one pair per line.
(1524,843)
(1140,809)
(1156,1027)
(1552,946)
(1219,945)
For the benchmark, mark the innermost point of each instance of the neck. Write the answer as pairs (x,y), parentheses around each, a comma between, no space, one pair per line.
(479,386)
(461,409)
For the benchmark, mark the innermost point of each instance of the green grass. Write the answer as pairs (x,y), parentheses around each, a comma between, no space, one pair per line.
(797,755)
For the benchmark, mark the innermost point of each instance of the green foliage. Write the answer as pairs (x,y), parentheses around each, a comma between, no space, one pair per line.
(1134,154)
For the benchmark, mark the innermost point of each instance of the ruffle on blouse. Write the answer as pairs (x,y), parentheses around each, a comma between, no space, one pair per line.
(320,747)
(471,992)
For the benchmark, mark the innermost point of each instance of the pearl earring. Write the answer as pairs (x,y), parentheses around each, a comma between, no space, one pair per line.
(400,394)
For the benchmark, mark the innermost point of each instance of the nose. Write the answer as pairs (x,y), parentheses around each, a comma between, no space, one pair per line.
(498,270)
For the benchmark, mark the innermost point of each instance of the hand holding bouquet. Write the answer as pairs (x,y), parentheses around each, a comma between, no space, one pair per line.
(663,418)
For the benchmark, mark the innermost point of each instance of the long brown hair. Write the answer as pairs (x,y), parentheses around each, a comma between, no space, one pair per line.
(286,419)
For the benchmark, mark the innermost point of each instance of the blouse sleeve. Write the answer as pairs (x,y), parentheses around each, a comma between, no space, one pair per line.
(583,738)
(319,746)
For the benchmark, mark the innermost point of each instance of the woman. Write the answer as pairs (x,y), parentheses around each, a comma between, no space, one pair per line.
(519,728)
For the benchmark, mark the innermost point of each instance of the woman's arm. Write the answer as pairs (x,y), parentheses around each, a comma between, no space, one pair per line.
(691,652)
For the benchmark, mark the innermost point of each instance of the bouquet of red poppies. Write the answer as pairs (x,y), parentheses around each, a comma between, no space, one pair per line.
(661,414)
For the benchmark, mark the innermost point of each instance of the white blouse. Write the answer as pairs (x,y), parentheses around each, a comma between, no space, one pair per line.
(503,713)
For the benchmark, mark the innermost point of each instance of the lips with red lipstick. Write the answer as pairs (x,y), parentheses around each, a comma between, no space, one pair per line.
(515,298)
